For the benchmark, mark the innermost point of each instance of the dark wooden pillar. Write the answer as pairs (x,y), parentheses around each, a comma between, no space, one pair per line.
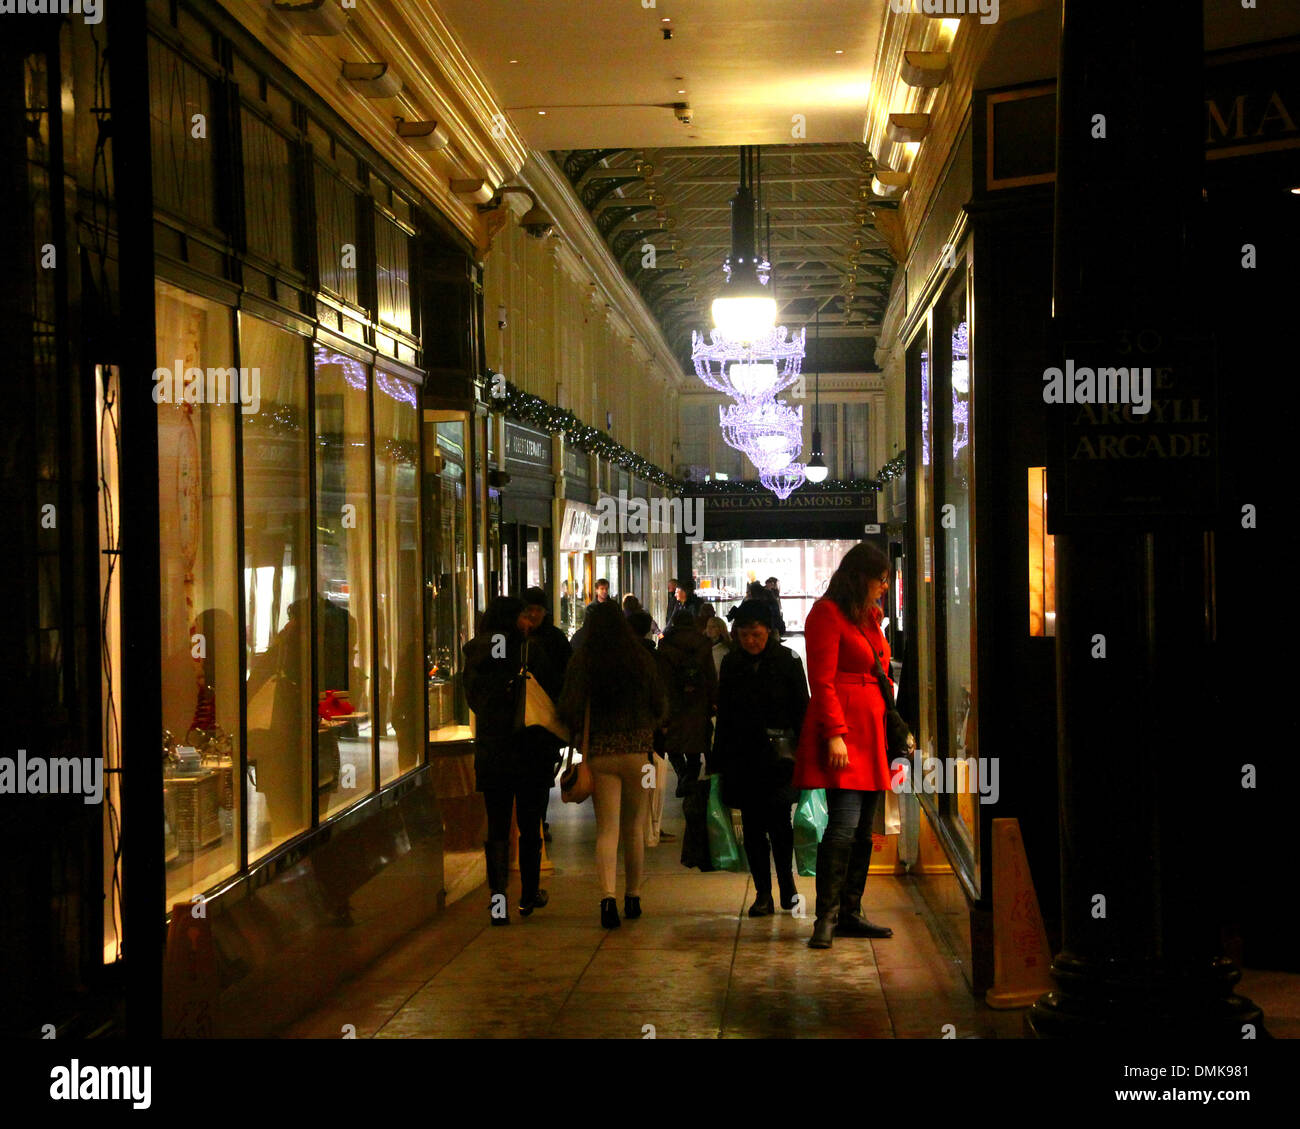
(1138,743)
(143,875)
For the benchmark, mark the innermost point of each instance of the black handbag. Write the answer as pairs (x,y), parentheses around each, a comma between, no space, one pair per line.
(783,744)
(898,737)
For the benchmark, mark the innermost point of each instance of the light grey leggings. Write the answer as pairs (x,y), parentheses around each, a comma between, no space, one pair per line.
(621,798)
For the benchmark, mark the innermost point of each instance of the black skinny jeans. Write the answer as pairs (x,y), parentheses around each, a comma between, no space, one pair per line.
(764,822)
(529,804)
(850,815)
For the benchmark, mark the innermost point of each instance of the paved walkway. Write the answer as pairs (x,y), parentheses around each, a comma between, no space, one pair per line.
(693,966)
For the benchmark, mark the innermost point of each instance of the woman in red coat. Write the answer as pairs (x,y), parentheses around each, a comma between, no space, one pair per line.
(842,747)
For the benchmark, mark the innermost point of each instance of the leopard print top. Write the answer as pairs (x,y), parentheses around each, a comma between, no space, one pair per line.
(640,741)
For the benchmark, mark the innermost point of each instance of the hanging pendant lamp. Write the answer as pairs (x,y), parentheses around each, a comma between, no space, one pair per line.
(817,470)
(745,310)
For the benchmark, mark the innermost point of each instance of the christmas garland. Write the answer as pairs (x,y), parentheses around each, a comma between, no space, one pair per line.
(893,469)
(535,411)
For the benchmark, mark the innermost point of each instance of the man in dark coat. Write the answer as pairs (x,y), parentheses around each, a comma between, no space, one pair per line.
(685,658)
(513,769)
(558,651)
(762,699)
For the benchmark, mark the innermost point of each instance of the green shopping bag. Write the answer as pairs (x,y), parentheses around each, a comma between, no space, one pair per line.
(810,817)
(724,851)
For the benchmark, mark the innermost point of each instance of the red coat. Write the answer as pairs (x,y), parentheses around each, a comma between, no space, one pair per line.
(846,701)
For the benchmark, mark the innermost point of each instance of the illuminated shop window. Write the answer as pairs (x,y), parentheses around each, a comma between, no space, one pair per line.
(1042,558)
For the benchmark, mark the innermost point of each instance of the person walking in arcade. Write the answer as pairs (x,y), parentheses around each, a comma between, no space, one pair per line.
(842,746)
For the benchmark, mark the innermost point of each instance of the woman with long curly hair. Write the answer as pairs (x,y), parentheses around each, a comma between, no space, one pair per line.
(613,678)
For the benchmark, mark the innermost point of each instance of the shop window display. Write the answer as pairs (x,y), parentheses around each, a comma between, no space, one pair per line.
(448,589)
(923,621)
(344,651)
(198,594)
(277,586)
(952,449)
(400,707)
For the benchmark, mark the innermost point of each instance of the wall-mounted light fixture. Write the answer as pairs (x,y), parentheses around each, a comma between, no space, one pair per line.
(907,127)
(536,221)
(887,183)
(313,17)
(426,136)
(373,80)
(924,68)
(478,190)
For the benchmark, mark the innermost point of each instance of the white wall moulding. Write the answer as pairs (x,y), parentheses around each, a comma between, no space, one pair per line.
(423,135)
(312,17)
(888,183)
(373,80)
(907,127)
(924,68)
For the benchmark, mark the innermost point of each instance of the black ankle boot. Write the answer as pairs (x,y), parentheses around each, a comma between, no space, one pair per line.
(788,892)
(527,905)
(609,913)
(832,862)
(497,854)
(631,907)
(530,865)
(851,923)
(762,906)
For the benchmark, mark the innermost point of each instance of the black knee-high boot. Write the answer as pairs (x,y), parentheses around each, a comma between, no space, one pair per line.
(760,868)
(497,853)
(783,862)
(851,922)
(530,868)
(832,862)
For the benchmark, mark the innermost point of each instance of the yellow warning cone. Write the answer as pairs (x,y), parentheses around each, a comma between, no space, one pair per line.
(1021,958)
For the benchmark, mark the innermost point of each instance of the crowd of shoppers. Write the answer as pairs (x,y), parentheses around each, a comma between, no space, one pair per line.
(709,701)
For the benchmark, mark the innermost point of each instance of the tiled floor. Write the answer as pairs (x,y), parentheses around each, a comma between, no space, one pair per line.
(694,966)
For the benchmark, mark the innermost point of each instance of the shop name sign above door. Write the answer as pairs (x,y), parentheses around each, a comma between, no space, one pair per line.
(1145,448)
(822,500)
(530,448)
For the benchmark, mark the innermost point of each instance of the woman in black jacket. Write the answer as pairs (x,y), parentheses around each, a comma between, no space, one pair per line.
(762,694)
(511,768)
(614,677)
(685,659)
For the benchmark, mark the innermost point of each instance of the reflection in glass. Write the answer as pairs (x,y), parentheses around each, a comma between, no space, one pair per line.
(400,712)
(918,376)
(954,452)
(198,594)
(345,687)
(276,582)
(448,605)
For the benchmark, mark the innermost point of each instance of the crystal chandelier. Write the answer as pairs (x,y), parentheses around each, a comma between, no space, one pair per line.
(785,481)
(749,371)
(770,433)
